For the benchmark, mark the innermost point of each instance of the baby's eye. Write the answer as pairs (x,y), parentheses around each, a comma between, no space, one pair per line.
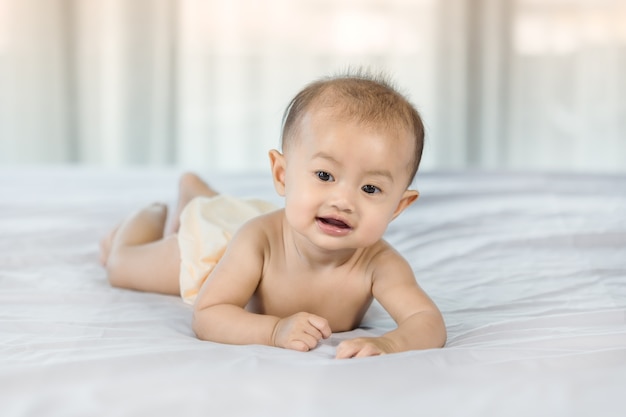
(370,189)
(324,176)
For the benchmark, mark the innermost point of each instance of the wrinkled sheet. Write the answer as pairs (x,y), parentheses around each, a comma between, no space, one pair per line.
(529,271)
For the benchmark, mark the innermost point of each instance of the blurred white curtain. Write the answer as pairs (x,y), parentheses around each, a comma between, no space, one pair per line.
(240,62)
(567,85)
(34,69)
(502,84)
(87,81)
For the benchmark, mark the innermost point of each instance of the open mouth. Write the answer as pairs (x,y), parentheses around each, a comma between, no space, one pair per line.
(334,222)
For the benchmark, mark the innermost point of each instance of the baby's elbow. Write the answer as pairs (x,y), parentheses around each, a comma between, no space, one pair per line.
(441,332)
(443,338)
(435,328)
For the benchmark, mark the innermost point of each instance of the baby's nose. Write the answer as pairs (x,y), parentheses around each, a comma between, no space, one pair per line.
(343,199)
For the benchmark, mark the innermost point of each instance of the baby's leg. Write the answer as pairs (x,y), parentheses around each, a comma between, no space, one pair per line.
(137,256)
(190,186)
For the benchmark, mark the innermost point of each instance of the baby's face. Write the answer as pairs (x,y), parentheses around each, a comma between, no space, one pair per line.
(344,180)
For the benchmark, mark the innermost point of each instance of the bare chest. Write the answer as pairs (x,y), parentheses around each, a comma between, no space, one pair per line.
(341,297)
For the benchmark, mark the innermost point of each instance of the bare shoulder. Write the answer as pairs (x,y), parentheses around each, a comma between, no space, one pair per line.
(261,230)
(236,276)
(388,264)
(266,224)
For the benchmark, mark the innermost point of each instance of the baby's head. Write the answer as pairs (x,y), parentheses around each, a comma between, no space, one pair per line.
(351,147)
(366,99)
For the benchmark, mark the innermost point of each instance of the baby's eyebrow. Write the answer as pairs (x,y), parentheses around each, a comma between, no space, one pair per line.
(324,155)
(381,173)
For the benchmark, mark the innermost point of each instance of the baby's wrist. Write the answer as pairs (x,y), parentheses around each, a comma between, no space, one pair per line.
(273,334)
(389,345)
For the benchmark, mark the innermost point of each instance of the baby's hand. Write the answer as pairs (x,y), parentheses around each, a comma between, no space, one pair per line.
(364,346)
(301,331)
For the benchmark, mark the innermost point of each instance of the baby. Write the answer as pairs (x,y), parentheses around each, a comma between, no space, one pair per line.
(351,146)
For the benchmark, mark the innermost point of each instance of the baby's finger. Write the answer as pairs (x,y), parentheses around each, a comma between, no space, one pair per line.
(321,324)
(307,341)
(368,350)
(298,345)
(347,349)
(313,331)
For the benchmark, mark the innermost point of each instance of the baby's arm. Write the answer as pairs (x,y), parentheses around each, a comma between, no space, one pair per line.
(420,323)
(219,311)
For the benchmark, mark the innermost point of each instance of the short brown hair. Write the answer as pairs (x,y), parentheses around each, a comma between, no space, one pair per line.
(368,98)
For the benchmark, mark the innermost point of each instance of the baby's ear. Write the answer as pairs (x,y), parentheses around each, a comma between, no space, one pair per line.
(277,163)
(407,199)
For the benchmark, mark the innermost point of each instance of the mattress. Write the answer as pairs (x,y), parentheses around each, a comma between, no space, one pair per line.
(529,271)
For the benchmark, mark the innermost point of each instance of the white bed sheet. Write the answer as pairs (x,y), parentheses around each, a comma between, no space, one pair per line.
(528,270)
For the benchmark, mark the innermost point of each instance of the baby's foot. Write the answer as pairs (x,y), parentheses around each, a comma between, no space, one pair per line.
(105,246)
(190,186)
(144,226)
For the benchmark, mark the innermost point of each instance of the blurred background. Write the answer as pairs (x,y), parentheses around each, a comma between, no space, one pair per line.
(535,85)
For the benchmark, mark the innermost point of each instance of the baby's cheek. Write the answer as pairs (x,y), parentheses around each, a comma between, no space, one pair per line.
(297,214)
(374,230)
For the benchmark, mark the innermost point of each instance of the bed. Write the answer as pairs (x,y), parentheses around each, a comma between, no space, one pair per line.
(529,271)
